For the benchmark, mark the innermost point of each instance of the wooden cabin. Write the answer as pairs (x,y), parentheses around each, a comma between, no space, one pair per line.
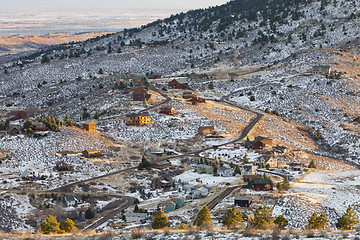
(89,125)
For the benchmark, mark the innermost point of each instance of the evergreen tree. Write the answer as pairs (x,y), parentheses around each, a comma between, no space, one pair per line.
(89,214)
(160,220)
(348,221)
(237,170)
(96,115)
(232,219)
(262,217)
(69,226)
(317,221)
(101,71)
(136,209)
(145,164)
(51,225)
(281,221)
(29,126)
(204,217)
(312,164)
(245,158)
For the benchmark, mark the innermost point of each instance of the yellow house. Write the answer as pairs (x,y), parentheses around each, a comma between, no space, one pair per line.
(89,125)
(138,119)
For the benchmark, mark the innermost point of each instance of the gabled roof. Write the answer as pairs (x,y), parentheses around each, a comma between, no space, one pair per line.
(162,163)
(181,80)
(88,122)
(242,198)
(72,198)
(261,181)
(132,115)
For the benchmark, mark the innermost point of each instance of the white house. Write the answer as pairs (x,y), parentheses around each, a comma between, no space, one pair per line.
(248,169)
(200,192)
(135,217)
(225,172)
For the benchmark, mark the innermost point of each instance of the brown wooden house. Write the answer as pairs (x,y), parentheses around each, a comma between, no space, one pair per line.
(262,184)
(40,127)
(138,119)
(165,182)
(160,165)
(206,131)
(63,166)
(188,94)
(259,143)
(180,83)
(246,178)
(197,99)
(140,94)
(89,125)
(167,109)
(20,115)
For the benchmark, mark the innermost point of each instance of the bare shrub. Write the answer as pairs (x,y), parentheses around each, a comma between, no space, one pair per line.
(249,232)
(276,234)
(136,233)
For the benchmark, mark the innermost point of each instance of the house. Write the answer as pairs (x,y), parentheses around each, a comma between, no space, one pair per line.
(197,99)
(259,143)
(188,94)
(280,150)
(14,130)
(160,165)
(200,192)
(167,206)
(40,127)
(267,160)
(73,201)
(138,119)
(63,166)
(89,125)
(165,182)
(262,184)
(88,153)
(202,168)
(179,202)
(28,174)
(167,109)
(246,178)
(136,217)
(321,69)
(296,167)
(225,172)
(179,83)
(140,94)
(248,169)
(242,201)
(20,115)
(206,131)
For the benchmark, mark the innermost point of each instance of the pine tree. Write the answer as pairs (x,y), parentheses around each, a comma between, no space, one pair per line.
(160,220)
(245,158)
(262,217)
(312,164)
(232,219)
(51,225)
(348,221)
(312,222)
(145,164)
(69,226)
(281,221)
(89,214)
(318,221)
(182,227)
(204,217)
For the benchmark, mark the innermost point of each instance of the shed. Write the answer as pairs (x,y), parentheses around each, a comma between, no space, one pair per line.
(89,125)
(242,201)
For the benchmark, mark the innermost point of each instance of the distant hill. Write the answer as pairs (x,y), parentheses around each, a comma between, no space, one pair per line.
(20,43)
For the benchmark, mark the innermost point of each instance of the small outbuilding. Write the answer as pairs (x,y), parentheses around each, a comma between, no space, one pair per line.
(242,201)
(89,125)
